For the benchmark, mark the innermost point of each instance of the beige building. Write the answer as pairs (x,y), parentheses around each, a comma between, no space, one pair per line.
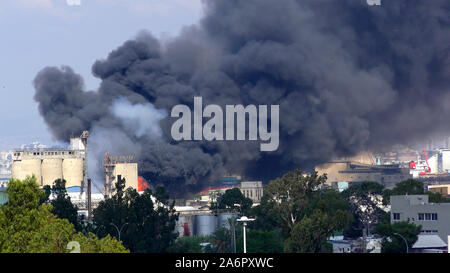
(351,172)
(253,190)
(48,164)
(119,167)
(443,189)
(129,171)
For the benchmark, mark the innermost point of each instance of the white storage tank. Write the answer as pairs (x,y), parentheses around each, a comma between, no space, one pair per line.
(205,225)
(185,225)
(223,219)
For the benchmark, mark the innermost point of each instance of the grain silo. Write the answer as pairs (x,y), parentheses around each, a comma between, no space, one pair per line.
(50,164)
(23,168)
(51,170)
(73,171)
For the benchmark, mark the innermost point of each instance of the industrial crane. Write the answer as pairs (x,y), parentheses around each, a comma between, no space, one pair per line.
(428,170)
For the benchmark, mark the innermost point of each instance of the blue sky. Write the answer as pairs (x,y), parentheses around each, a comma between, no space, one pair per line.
(39,33)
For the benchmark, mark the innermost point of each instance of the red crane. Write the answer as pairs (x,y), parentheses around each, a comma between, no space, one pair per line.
(428,166)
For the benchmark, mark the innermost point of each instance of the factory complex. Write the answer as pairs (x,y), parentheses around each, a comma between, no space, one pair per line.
(195,216)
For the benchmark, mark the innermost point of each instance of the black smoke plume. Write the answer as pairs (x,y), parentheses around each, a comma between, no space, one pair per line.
(347,76)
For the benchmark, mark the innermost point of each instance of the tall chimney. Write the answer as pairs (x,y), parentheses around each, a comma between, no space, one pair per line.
(89,200)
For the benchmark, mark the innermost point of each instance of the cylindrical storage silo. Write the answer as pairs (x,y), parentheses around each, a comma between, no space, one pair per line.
(27,167)
(73,171)
(185,225)
(205,225)
(224,219)
(51,170)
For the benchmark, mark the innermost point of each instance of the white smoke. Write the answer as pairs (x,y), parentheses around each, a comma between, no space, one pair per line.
(142,119)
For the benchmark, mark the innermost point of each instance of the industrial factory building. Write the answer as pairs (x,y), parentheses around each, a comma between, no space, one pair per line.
(50,164)
(443,189)
(353,172)
(70,164)
(195,222)
(251,189)
(120,167)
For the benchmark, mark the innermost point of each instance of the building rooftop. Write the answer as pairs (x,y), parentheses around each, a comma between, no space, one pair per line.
(429,241)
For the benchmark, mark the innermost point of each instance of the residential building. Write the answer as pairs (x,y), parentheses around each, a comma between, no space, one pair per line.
(433,217)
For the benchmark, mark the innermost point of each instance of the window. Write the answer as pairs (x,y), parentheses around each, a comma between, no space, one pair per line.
(396,216)
(428,217)
(429,232)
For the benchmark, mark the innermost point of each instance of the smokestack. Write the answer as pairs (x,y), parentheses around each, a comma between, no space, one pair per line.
(89,199)
(84,137)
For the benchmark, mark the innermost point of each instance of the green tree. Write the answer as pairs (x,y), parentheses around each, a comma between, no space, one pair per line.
(436,197)
(91,244)
(221,241)
(292,197)
(410,186)
(311,233)
(190,244)
(28,226)
(265,215)
(392,242)
(303,204)
(234,199)
(330,201)
(259,241)
(366,203)
(62,206)
(145,221)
